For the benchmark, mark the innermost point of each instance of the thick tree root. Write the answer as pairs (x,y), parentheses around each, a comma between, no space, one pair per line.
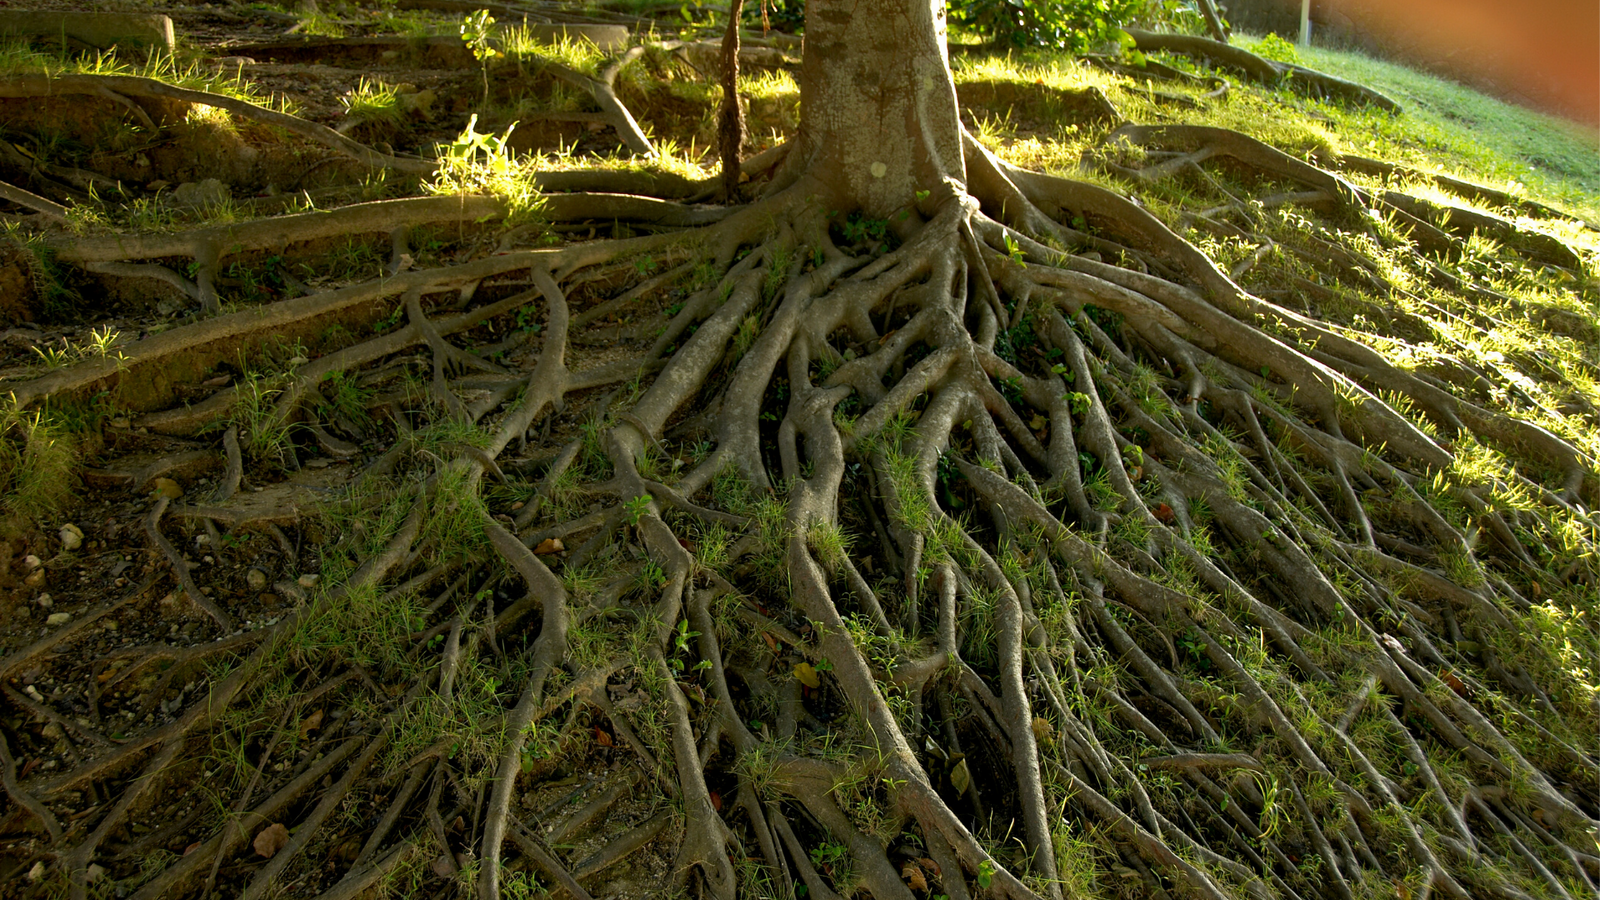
(1257,68)
(963,563)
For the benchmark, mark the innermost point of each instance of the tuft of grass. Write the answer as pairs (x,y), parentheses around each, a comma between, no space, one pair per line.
(373,101)
(38,464)
(482,164)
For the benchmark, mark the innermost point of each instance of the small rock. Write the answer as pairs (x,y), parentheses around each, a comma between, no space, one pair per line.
(166,487)
(95,872)
(271,839)
(60,618)
(71,537)
(45,600)
(202,539)
(31,562)
(33,692)
(37,872)
(52,731)
(201,194)
(255,578)
(308,581)
(34,579)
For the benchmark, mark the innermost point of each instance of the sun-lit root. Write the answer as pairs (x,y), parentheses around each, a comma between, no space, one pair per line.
(120,88)
(1257,68)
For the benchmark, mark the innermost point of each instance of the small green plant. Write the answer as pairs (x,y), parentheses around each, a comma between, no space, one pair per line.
(477,163)
(1276,48)
(636,507)
(1014,250)
(475,34)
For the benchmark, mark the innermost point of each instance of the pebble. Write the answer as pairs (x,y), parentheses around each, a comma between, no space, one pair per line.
(71,537)
(58,619)
(34,578)
(95,872)
(45,600)
(31,562)
(255,578)
(33,692)
(37,872)
(308,581)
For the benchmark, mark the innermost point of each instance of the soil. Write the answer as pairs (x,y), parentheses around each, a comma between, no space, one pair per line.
(111,600)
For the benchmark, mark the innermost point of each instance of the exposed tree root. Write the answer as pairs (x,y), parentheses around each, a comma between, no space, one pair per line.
(964,561)
(120,88)
(1260,69)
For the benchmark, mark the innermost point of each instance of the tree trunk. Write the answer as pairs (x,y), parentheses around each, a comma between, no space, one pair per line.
(879,105)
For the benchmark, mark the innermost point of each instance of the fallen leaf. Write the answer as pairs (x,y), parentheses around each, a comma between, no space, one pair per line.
(310,723)
(166,487)
(603,739)
(549,546)
(929,865)
(772,642)
(1164,514)
(807,675)
(191,848)
(960,777)
(716,801)
(271,839)
(911,873)
(1038,422)
(1453,682)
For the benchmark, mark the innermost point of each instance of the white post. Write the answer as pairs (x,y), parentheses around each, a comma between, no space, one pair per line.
(1305,23)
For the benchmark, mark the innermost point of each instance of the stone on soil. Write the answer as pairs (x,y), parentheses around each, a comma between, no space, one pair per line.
(71,537)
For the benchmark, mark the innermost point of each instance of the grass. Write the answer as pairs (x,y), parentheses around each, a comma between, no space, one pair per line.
(1448,127)
(18,59)
(38,464)
(1445,128)
(373,101)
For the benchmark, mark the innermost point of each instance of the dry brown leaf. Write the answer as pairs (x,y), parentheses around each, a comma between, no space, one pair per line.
(549,546)
(271,839)
(806,674)
(310,723)
(914,879)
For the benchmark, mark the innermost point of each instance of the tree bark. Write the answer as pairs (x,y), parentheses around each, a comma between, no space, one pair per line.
(732,127)
(879,104)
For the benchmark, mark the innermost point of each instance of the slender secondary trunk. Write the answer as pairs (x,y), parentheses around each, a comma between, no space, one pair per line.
(879,120)
(731,132)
